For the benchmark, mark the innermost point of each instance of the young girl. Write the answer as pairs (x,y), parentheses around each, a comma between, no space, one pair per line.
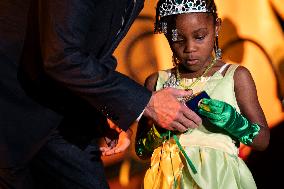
(206,156)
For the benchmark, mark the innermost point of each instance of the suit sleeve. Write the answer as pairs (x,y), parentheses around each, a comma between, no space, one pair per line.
(64,27)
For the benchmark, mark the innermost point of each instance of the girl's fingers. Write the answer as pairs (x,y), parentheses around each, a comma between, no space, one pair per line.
(212,109)
(209,115)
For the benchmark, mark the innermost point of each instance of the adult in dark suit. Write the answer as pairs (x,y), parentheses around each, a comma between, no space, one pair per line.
(20,116)
(67,67)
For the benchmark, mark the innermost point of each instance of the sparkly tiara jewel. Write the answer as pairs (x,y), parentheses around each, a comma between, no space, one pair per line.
(171,7)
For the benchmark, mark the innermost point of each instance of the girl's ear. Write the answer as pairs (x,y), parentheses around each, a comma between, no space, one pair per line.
(218,23)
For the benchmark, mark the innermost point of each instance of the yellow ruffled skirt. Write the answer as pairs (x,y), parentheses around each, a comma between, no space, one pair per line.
(214,156)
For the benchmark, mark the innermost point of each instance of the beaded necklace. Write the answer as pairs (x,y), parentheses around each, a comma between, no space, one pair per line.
(179,81)
(187,87)
(175,80)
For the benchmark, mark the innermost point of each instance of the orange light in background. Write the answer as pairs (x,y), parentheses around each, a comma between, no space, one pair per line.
(124,174)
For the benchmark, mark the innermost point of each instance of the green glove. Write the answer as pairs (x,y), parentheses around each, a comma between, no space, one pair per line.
(223,115)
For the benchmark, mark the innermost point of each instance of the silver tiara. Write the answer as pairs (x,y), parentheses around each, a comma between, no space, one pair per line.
(170,7)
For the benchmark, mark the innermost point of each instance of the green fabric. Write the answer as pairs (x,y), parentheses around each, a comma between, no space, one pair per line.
(148,141)
(224,116)
(185,155)
(216,170)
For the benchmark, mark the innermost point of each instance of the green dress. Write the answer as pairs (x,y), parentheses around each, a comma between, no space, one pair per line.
(213,153)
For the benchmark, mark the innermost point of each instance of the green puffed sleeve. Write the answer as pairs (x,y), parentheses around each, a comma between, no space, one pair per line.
(148,138)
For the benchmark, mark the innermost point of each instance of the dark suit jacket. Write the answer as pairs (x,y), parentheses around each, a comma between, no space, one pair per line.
(69,49)
(24,124)
(67,63)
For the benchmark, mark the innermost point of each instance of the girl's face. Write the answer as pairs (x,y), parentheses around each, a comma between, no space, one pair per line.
(195,41)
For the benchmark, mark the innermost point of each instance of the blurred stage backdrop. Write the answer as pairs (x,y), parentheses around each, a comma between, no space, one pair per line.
(252,35)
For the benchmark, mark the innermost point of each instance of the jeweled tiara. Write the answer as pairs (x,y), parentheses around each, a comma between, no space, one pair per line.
(171,7)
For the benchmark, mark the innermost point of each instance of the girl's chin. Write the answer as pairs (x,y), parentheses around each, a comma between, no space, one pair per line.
(190,67)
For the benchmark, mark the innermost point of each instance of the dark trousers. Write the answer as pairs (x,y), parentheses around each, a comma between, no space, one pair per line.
(58,165)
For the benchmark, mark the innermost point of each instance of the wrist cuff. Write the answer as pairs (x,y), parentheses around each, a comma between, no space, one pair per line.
(251,133)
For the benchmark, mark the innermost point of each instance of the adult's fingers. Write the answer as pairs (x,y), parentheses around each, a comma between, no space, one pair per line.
(103,149)
(177,126)
(188,123)
(115,150)
(165,109)
(111,152)
(191,119)
(178,93)
(182,125)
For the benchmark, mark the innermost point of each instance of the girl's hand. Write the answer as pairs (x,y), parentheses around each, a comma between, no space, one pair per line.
(223,115)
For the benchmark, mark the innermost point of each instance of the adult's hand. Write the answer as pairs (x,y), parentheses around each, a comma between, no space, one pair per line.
(115,146)
(120,145)
(167,112)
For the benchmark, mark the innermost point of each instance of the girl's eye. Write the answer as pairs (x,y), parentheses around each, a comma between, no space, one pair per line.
(200,37)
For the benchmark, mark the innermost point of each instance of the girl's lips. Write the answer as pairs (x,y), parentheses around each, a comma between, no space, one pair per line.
(192,61)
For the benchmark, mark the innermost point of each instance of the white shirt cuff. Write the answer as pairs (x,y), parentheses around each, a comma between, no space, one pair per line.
(140,116)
